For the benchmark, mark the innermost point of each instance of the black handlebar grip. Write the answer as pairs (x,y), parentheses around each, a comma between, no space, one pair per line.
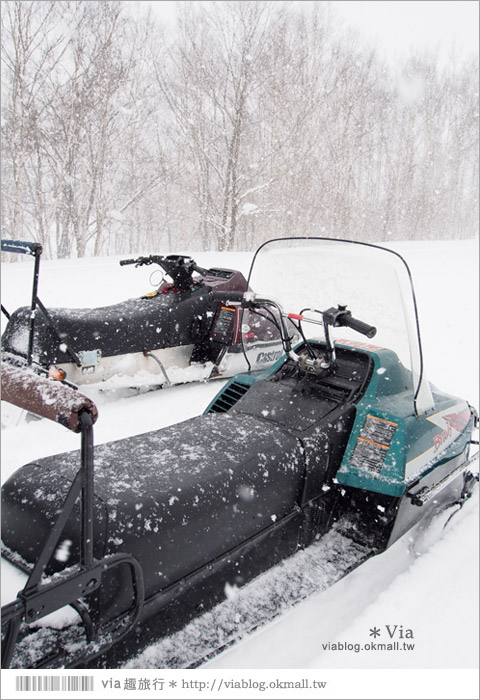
(360,326)
(128,262)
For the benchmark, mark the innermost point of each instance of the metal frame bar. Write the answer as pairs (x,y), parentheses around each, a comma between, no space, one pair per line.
(38,599)
(33,305)
(428,492)
(59,335)
(35,249)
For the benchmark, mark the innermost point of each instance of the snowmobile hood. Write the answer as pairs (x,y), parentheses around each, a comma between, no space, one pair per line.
(376,283)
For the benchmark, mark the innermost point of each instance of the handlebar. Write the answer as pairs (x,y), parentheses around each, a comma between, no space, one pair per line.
(179,267)
(361,327)
(131,261)
(149,260)
(340,316)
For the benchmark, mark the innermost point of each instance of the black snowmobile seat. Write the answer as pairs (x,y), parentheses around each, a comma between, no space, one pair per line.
(135,325)
(148,323)
(173,514)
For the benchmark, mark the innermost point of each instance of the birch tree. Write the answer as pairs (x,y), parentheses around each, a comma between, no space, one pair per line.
(244,121)
(32,48)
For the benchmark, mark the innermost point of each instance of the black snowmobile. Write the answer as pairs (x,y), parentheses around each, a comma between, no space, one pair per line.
(173,334)
(340,441)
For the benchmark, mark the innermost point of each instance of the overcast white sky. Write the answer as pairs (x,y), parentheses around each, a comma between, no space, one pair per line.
(397,26)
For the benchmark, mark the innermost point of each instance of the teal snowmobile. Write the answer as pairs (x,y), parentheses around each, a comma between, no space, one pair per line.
(341,441)
(173,334)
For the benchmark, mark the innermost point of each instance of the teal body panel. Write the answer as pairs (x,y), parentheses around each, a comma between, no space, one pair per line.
(391,448)
(246,379)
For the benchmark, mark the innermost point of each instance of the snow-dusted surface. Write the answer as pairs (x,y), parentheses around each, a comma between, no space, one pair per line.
(435,595)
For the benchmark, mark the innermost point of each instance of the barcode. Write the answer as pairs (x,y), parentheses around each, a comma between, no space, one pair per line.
(52,683)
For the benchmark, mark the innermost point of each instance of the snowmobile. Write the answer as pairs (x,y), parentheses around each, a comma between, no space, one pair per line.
(173,334)
(340,441)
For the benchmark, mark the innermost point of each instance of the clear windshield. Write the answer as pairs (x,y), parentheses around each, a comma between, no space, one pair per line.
(373,282)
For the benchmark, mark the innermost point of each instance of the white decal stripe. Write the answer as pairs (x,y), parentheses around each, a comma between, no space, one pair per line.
(417,464)
(439,418)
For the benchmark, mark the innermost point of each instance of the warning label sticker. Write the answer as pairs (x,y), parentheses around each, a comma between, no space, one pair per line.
(373,443)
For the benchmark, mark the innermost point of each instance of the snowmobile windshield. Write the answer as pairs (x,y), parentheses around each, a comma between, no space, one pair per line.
(374,283)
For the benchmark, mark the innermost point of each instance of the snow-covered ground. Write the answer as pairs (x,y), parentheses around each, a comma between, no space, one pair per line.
(422,592)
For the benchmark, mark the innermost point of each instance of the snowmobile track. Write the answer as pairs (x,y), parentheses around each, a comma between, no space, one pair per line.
(256,604)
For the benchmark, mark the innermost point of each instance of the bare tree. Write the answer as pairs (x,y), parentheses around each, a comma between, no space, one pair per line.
(32,47)
(211,85)
(248,120)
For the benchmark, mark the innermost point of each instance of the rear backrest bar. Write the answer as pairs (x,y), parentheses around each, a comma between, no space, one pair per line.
(24,247)
(45,397)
